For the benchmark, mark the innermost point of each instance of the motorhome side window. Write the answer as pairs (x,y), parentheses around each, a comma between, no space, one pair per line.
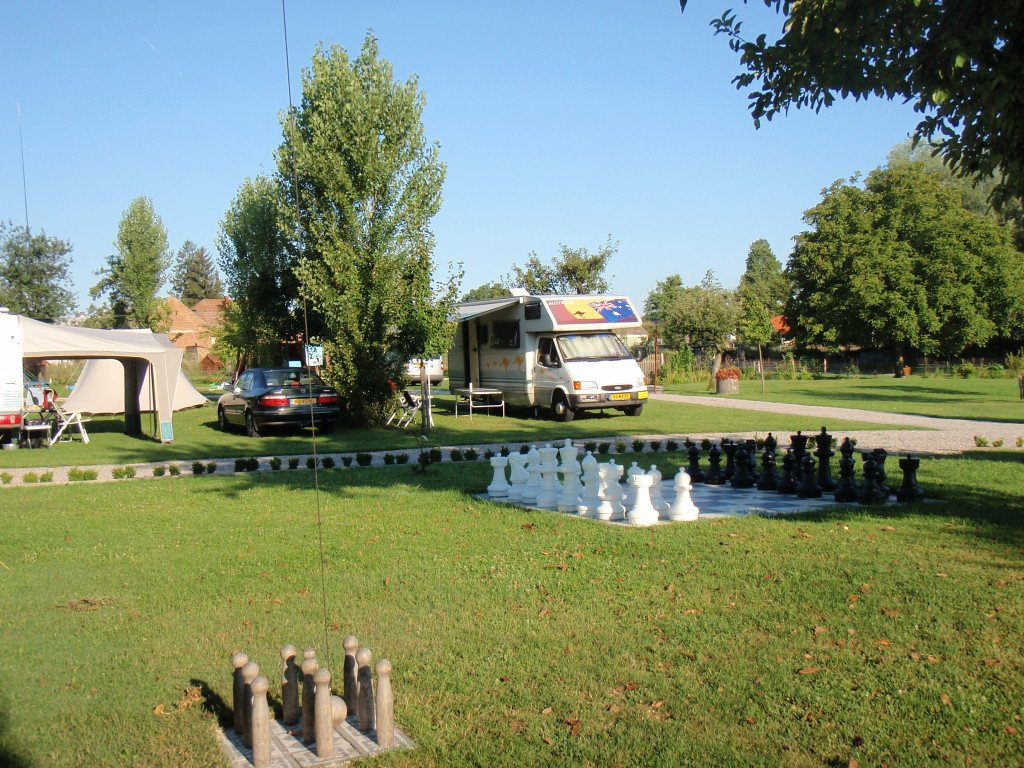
(505,335)
(547,355)
(481,333)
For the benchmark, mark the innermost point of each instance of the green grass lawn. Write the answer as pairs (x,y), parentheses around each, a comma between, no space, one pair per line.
(986,399)
(884,635)
(197,436)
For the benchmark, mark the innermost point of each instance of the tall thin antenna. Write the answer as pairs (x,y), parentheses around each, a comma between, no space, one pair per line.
(24,183)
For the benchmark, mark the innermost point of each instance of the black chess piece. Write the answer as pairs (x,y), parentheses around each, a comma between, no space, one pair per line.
(729,449)
(909,491)
(869,492)
(741,477)
(770,443)
(755,473)
(769,478)
(880,455)
(824,452)
(808,487)
(713,476)
(798,443)
(693,468)
(846,489)
(787,483)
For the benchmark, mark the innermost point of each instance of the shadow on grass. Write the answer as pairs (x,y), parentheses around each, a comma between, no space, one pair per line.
(920,395)
(213,703)
(9,756)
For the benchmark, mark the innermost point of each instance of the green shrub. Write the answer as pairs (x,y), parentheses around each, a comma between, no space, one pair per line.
(620,446)
(1020,442)
(311,462)
(198,467)
(1015,362)
(30,477)
(364,459)
(174,469)
(275,463)
(504,450)
(488,454)
(211,467)
(997,443)
(590,446)
(240,465)
(402,458)
(655,446)
(346,460)
(966,370)
(159,471)
(293,462)
(122,473)
(46,477)
(455,454)
(706,444)
(471,454)
(435,455)
(524,449)
(77,474)
(638,446)
(6,478)
(672,445)
(327,462)
(980,441)
(389,459)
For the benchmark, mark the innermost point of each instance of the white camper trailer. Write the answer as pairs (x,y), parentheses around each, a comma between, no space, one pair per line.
(559,352)
(12,377)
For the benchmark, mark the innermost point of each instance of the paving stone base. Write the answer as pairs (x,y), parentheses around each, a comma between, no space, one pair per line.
(288,751)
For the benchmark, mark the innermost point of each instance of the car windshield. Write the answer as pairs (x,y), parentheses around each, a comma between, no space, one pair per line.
(291,377)
(592,346)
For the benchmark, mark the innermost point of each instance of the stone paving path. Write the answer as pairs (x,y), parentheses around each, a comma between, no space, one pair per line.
(928,436)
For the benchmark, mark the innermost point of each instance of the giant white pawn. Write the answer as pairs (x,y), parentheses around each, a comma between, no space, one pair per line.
(683,509)
(591,487)
(643,512)
(517,475)
(532,487)
(657,497)
(499,486)
(570,498)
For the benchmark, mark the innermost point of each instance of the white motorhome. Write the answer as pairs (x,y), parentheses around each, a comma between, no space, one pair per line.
(559,352)
(12,377)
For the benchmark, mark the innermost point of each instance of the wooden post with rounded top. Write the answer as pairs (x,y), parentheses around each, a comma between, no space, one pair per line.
(260,723)
(309,668)
(364,699)
(238,660)
(290,685)
(249,673)
(324,714)
(385,706)
(350,644)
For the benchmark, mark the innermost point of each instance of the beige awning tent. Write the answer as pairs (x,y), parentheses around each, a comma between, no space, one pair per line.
(138,350)
(99,390)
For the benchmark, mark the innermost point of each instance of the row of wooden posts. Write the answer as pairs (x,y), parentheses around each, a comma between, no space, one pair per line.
(320,711)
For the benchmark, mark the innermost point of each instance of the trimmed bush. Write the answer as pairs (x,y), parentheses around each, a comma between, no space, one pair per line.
(123,473)
(455,454)
(327,462)
(655,446)
(311,462)
(46,477)
(488,454)
(590,446)
(524,449)
(471,454)
(603,448)
(620,446)
(389,459)
(275,463)
(159,471)
(364,459)
(77,474)
(30,477)
(673,445)
(504,450)
(6,478)
(980,441)
(638,446)
(211,467)
(435,455)
(346,460)
(240,465)
(293,462)
(198,467)
(174,469)
(402,458)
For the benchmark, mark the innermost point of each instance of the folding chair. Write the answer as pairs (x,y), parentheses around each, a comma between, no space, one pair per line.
(64,419)
(406,410)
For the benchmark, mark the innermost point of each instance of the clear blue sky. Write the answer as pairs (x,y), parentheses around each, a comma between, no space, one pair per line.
(560,122)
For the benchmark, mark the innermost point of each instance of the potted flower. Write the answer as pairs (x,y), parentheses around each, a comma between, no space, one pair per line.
(727,381)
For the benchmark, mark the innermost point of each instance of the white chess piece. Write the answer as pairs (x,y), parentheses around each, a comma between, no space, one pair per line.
(532,487)
(568,452)
(499,485)
(570,498)
(591,487)
(517,476)
(657,497)
(643,512)
(547,496)
(683,509)
(630,498)
(616,492)
(605,509)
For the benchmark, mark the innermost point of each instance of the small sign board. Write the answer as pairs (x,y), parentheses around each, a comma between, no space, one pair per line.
(314,355)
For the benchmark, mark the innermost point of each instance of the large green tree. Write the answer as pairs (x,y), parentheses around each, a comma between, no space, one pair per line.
(491,290)
(702,317)
(762,294)
(34,276)
(959,61)
(258,271)
(362,184)
(901,264)
(134,274)
(574,271)
(195,276)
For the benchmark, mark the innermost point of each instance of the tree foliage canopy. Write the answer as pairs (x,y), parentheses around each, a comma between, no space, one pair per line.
(762,294)
(960,61)
(575,271)
(901,264)
(34,274)
(134,274)
(258,272)
(701,316)
(491,290)
(361,185)
(195,276)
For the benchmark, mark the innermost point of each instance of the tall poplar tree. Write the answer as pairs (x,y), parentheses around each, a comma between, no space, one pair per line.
(360,184)
(135,274)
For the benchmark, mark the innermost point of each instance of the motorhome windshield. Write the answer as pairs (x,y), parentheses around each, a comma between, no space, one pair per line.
(592,346)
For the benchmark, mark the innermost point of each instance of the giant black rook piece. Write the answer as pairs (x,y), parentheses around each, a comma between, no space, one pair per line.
(909,492)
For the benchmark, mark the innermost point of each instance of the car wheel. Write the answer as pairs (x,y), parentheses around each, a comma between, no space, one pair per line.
(250,425)
(222,421)
(561,410)
(633,410)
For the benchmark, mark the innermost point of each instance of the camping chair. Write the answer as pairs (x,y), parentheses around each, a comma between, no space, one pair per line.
(64,419)
(406,409)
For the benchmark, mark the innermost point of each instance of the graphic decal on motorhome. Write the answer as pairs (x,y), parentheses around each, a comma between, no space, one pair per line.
(600,311)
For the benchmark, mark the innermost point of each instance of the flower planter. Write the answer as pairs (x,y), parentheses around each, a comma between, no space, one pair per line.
(727,386)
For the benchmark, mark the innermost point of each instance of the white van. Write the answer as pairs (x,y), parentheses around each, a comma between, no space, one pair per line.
(12,377)
(564,353)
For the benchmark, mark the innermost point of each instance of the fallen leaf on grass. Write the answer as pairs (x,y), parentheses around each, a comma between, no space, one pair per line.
(547,711)
(820,630)
(557,566)
(387,580)
(942,575)
(944,698)
(303,592)
(88,603)
(887,528)
(504,678)
(158,709)
(882,642)
(189,698)
(802,535)
(574,725)
(891,613)
(657,704)
(864,588)
(809,670)
(517,725)
(548,740)
(544,613)
(614,709)
(854,598)
(751,721)
(1010,730)
(991,662)
(577,555)
(529,527)
(852,764)
(632,686)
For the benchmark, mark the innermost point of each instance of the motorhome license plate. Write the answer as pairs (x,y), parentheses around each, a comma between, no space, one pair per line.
(303,400)
(620,396)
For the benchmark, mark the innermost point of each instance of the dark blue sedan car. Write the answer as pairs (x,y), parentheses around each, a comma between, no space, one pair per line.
(278,397)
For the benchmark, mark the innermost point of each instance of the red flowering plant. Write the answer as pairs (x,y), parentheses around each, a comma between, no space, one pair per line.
(728,373)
